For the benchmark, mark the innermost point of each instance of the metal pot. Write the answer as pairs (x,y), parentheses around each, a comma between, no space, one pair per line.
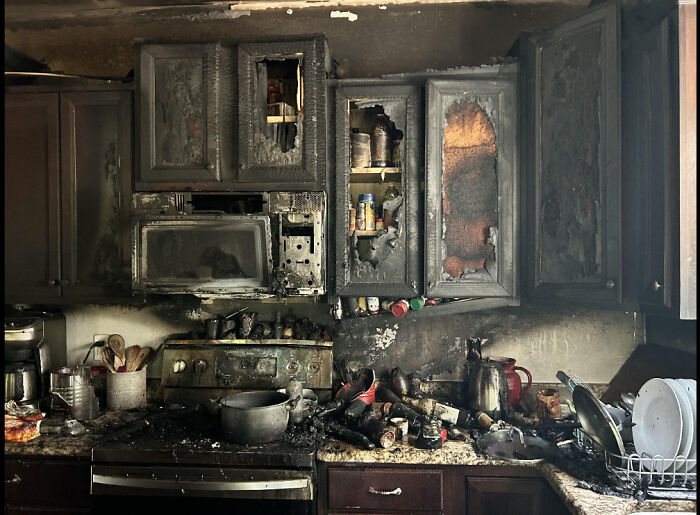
(255,417)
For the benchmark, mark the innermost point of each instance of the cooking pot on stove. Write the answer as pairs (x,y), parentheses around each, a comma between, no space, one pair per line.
(255,417)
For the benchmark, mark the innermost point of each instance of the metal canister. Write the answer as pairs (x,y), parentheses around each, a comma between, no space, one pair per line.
(360,150)
(366,204)
(380,144)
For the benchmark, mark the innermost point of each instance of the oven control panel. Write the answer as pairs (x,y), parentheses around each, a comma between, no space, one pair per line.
(202,364)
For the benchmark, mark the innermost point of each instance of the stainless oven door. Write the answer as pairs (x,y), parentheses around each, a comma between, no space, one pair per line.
(234,483)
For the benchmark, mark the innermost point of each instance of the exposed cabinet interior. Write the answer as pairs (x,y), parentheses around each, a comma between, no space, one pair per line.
(377,166)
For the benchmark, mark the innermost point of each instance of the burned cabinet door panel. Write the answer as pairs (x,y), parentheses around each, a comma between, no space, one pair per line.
(471,188)
(96,130)
(370,261)
(32,198)
(281,113)
(571,142)
(178,105)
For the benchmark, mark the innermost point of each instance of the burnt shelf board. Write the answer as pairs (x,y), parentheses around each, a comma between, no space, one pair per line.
(281,119)
(375,175)
(363,234)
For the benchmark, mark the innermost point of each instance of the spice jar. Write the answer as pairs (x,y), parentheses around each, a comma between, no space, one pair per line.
(400,308)
(373,305)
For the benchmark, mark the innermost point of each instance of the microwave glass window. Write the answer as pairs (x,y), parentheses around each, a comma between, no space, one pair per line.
(195,254)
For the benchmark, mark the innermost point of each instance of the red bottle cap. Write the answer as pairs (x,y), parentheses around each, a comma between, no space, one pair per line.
(399,308)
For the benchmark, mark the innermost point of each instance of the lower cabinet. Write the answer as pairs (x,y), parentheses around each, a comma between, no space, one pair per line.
(40,485)
(425,490)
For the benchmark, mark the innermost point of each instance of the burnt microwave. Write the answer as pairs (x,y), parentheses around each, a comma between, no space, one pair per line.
(259,244)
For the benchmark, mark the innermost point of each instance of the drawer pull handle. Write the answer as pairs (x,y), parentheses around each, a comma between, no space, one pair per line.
(395,491)
(14,480)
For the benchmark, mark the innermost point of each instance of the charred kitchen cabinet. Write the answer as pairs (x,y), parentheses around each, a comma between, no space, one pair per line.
(370,260)
(471,188)
(67,188)
(570,154)
(658,100)
(235,116)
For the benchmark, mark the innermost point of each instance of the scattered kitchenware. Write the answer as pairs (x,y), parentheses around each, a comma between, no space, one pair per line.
(548,404)
(691,389)
(255,417)
(512,445)
(515,387)
(487,388)
(116,343)
(361,388)
(687,429)
(400,382)
(596,421)
(131,353)
(658,423)
(106,356)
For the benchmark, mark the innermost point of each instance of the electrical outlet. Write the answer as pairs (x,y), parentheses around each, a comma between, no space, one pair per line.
(96,350)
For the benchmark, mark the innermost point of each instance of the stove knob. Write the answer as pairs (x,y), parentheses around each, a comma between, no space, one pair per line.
(200,366)
(179,366)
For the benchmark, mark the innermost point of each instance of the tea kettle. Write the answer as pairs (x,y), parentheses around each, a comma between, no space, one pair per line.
(487,385)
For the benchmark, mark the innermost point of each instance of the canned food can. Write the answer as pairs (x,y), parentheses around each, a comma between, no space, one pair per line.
(360,154)
(379,224)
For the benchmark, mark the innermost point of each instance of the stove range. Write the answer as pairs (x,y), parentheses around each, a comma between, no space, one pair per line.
(176,459)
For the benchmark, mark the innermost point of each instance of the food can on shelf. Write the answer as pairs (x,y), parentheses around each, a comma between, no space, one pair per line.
(379,224)
(360,150)
(366,204)
(353,214)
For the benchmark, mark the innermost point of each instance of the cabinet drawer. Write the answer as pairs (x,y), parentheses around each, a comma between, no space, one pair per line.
(384,489)
(47,483)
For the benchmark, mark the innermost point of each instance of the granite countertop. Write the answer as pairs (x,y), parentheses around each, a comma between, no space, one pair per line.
(578,500)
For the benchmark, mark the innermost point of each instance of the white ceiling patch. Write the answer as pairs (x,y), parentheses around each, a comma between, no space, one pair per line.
(344,14)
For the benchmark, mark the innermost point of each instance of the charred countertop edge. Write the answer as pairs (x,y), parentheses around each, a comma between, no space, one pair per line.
(578,500)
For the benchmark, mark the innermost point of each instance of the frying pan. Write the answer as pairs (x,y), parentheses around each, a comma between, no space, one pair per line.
(596,421)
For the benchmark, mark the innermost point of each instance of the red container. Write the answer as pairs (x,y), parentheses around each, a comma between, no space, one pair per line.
(399,308)
(515,386)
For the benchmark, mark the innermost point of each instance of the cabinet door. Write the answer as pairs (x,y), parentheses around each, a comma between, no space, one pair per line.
(178,109)
(471,189)
(96,133)
(570,149)
(281,114)
(32,198)
(370,261)
(485,495)
(650,85)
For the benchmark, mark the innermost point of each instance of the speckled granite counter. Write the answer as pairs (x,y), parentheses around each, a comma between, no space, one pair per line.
(578,500)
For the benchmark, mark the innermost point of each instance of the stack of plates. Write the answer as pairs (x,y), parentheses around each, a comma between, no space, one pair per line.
(665,423)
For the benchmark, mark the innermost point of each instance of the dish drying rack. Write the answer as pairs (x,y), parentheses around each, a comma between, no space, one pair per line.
(666,477)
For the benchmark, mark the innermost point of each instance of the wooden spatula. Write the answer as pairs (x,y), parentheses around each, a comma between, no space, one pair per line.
(116,343)
(142,357)
(105,355)
(131,353)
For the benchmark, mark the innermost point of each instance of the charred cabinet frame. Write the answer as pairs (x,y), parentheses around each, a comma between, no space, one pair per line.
(571,81)
(179,109)
(493,102)
(309,172)
(397,272)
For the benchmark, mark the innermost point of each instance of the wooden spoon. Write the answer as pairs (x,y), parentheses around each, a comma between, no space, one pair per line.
(105,355)
(116,343)
(131,353)
(142,357)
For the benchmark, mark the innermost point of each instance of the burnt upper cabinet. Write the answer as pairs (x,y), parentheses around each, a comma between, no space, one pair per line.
(657,99)
(281,113)
(375,181)
(67,205)
(179,114)
(32,197)
(571,156)
(471,186)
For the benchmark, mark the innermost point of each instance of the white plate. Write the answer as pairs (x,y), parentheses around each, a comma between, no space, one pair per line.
(658,422)
(691,388)
(687,411)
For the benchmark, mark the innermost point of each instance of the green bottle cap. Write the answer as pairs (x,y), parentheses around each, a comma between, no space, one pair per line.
(416,303)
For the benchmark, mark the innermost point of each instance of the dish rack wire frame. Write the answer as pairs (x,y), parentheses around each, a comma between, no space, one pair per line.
(633,467)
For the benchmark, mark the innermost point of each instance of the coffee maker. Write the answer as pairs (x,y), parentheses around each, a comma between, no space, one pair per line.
(34,342)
